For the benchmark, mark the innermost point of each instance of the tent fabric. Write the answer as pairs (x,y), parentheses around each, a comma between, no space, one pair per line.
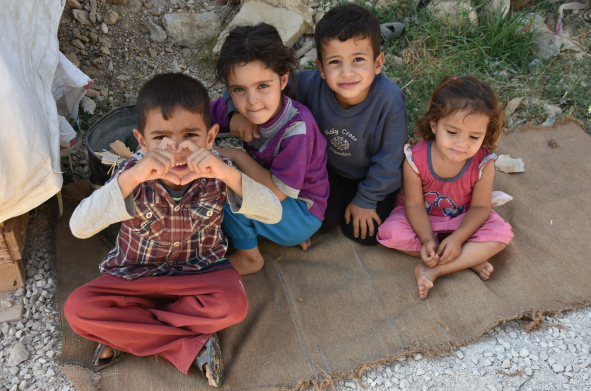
(329,312)
(29,130)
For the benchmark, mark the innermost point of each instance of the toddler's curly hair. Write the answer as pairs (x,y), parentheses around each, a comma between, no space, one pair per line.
(454,94)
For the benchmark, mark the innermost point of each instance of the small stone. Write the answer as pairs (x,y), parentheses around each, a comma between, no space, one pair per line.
(157,34)
(111,18)
(418,356)
(105,50)
(460,355)
(73,4)
(121,85)
(88,106)
(558,368)
(5,304)
(134,6)
(576,368)
(475,360)
(148,4)
(22,385)
(82,17)
(506,364)
(153,53)
(92,93)
(524,352)
(350,384)
(491,387)
(18,354)
(420,371)
(20,292)
(50,354)
(513,334)
(156,13)
(78,44)
(50,373)
(104,28)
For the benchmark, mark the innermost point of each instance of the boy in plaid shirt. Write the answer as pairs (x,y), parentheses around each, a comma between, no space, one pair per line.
(167,287)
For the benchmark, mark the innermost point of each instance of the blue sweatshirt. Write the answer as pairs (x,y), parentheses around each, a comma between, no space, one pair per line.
(364,141)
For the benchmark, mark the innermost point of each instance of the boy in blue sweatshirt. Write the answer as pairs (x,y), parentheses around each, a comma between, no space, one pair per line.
(361,113)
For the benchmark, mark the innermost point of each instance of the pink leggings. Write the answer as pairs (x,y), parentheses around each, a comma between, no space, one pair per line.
(170,316)
(396,232)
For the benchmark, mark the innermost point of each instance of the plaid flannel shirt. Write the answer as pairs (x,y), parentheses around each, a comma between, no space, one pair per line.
(164,234)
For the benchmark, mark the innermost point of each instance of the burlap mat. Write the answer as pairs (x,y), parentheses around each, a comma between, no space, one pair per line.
(328,312)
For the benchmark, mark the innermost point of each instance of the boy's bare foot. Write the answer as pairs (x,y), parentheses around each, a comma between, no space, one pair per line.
(206,366)
(483,270)
(247,261)
(425,277)
(306,245)
(107,352)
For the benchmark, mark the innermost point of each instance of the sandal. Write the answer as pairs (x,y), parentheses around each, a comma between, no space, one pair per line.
(392,30)
(100,362)
(212,357)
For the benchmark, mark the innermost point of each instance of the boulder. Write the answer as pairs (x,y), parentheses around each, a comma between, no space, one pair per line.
(191,30)
(452,10)
(81,16)
(292,19)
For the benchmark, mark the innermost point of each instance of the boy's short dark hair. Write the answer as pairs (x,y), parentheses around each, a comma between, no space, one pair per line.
(346,22)
(168,90)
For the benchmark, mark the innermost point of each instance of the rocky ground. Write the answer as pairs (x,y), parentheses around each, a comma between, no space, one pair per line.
(122,43)
(554,357)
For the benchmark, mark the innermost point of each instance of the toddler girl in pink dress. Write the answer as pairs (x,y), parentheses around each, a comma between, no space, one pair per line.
(444,215)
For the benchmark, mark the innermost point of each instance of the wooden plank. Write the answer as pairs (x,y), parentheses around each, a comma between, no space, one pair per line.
(15,234)
(5,257)
(12,276)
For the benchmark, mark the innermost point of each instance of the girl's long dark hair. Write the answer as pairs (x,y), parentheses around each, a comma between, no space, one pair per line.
(458,93)
(249,43)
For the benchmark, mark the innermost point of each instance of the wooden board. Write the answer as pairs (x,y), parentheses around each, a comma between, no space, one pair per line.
(12,276)
(15,234)
(5,257)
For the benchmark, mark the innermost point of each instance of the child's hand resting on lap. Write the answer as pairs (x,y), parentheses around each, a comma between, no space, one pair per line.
(362,220)
(448,250)
(242,128)
(429,253)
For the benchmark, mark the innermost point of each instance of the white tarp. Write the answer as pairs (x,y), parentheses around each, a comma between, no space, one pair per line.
(29,130)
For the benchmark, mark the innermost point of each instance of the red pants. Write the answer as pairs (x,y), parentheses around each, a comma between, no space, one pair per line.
(170,316)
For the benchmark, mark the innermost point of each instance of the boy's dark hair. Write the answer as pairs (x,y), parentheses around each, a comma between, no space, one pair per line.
(249,43)
(168,90)
(454,94)
(346,22)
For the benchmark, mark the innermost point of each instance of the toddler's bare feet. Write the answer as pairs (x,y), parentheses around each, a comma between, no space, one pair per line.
(107,352)
(425,277)
(306,244)
(247,261)
(483,270)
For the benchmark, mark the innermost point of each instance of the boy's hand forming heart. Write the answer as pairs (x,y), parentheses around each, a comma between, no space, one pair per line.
(202,163)
(429,253)
(156,164)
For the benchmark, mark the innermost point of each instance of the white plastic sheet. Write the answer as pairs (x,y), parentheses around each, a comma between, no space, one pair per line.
(29,130)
